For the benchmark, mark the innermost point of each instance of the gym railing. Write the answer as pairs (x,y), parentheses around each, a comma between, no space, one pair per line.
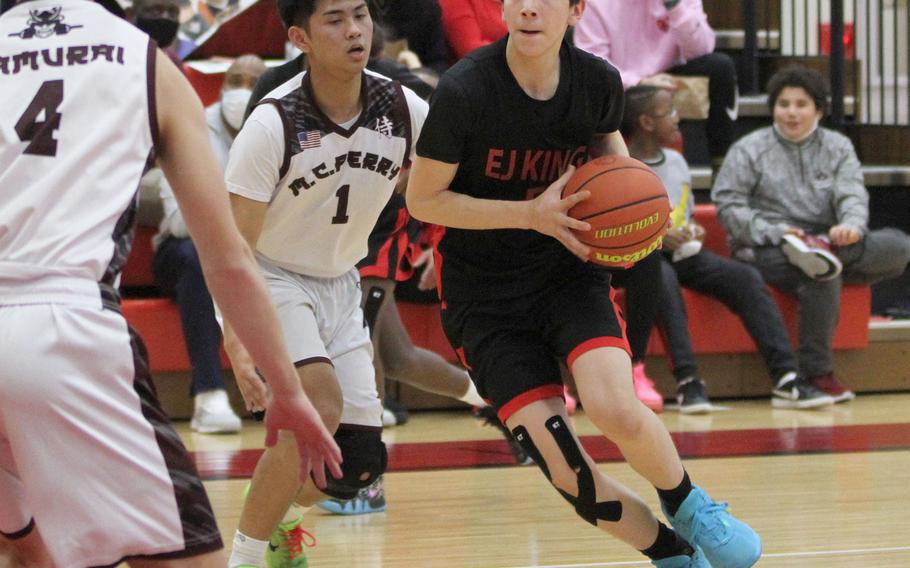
(866,42)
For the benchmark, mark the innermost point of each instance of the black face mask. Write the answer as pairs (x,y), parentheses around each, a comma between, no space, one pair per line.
(162,30)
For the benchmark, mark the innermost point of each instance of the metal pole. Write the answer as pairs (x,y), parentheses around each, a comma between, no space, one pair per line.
(837,64)
(749,83)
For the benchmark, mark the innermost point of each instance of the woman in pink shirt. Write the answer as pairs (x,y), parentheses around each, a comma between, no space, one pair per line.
(648,39)
(470,24)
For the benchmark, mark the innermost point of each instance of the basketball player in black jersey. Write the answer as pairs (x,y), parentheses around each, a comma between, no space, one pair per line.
(506,127)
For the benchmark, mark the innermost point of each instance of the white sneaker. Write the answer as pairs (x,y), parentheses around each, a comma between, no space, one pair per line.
(213,414)
(812,255)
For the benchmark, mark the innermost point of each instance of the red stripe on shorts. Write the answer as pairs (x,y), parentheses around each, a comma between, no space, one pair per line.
(526,398)
(596,343)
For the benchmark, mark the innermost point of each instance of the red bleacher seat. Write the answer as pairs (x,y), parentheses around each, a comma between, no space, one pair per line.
(158,322)
(138,269)
(714,328)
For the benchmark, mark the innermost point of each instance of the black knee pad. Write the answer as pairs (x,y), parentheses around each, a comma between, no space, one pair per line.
(365,458)
(585,503)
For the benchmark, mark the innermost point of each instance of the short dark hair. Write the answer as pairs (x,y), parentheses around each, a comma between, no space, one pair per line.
(639,100)
(807,79)
(295,12)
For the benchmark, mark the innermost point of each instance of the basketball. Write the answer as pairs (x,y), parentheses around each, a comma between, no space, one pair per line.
(627,210)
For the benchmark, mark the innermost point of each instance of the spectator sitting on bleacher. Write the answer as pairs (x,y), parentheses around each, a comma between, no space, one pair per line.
(648,40)
(419,24)
(179,274)
(469,24)
(160,19)
(642,283)
(650,124)
(378,63)
(792,199)
(421,84)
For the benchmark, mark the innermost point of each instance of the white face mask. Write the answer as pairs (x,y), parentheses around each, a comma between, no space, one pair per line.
(233,106)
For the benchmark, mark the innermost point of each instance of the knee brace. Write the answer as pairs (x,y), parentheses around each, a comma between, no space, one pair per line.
(365,458)
(585,503)
(375,297)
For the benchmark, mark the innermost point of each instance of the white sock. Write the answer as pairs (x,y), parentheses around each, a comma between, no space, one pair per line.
(294,512)
(787,377)
(246,550)
(472,397)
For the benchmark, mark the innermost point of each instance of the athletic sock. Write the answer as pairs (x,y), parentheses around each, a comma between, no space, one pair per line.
(294,512)
(668,544)
(247,551)
(472,397)
(673,498)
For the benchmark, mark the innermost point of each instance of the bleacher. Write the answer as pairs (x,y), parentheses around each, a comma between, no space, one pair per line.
(870,353)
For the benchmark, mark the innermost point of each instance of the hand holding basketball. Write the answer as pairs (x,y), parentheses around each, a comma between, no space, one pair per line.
(627,210)
(549,215)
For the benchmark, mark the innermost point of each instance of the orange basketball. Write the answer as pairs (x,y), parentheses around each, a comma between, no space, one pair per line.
(628,209)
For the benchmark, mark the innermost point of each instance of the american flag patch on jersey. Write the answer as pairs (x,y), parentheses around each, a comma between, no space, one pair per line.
(309,139)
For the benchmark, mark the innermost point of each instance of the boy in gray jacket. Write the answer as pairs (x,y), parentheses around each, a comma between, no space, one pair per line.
(792,199)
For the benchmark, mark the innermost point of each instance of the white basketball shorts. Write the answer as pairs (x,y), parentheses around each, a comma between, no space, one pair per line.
(85,449)
(322,321)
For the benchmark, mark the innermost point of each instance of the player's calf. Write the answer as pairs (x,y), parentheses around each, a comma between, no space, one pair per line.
(669,550)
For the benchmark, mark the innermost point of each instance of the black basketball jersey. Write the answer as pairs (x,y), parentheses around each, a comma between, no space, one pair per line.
(511,147)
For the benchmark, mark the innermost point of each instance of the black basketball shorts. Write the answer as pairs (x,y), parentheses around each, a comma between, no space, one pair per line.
(512,347)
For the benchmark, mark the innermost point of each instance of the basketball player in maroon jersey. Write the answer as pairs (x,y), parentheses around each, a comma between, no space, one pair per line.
(91,470)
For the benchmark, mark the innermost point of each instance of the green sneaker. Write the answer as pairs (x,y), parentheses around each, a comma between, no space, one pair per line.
(286,546)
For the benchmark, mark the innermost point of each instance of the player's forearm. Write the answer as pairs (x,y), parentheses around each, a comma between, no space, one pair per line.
(240,292)
(607,143)
(456,210)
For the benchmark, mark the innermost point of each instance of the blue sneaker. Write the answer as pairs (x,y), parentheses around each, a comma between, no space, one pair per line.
(697,560)
(370,499)
(726,542)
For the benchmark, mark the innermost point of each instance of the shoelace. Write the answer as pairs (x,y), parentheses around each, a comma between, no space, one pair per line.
(297,538)
(709,518)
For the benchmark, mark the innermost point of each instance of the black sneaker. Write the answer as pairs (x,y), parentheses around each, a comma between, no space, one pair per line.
(799,393)
(393,413)
(691,396)
(489,417)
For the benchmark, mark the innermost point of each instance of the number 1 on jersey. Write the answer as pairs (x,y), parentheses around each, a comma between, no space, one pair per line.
(341,214)
(40,133)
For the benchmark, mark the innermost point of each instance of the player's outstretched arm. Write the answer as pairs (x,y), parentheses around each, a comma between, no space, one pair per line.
(232,276)
(249,216)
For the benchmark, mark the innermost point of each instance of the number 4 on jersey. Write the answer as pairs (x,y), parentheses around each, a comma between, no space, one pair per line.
(38,129)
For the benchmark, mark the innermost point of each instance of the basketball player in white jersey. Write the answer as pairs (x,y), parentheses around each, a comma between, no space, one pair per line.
(91,472)
(309,173)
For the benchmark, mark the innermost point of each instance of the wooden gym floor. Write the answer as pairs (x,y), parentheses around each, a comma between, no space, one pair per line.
(823,488)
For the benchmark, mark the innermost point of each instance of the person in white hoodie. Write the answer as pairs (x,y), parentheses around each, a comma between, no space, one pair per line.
(176,263)
(792,199)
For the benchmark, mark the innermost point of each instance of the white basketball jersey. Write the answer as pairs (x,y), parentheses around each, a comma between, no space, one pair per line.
(325,184)
(77,123)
